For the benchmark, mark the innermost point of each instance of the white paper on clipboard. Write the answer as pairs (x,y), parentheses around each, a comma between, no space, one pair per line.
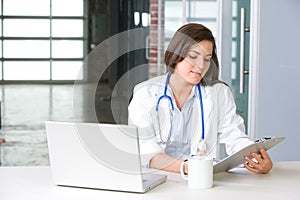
(238,158)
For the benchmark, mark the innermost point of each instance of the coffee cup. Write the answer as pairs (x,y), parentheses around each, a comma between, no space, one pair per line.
(200,172)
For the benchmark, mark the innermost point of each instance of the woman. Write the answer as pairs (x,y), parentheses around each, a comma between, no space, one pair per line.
(189,111)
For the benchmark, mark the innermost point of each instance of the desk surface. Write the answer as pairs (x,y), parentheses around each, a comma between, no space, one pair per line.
(35,183)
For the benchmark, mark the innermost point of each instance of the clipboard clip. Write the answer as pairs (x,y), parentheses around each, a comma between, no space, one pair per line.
(263,139)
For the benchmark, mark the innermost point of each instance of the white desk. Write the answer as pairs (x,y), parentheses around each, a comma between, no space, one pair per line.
(35,183)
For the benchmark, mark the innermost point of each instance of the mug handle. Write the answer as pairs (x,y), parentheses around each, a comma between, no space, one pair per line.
(184,176)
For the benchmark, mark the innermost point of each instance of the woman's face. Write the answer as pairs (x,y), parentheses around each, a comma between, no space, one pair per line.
(196,62)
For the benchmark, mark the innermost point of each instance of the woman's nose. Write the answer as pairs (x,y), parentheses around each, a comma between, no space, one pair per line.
(199,64)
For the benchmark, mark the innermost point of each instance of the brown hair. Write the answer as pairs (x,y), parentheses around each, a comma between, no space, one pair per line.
(183,39)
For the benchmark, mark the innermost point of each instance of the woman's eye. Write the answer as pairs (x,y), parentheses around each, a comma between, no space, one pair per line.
(193,56)
(207,59)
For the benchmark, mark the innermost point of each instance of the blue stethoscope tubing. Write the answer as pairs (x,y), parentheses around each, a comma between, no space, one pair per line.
(165,94)
(172,108)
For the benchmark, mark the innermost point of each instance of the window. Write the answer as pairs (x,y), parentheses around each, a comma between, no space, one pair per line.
(179,12)
(42,40)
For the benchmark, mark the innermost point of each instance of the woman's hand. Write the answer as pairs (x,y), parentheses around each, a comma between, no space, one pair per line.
(260,163)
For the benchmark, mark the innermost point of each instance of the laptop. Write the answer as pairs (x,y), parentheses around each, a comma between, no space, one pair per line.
(98,156)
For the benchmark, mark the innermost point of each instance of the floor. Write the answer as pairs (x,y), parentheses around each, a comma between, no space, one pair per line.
(25,108)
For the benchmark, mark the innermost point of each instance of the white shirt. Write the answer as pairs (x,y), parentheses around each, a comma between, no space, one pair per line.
(222,124)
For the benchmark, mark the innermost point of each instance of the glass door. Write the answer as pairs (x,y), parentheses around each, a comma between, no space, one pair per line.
(240,55)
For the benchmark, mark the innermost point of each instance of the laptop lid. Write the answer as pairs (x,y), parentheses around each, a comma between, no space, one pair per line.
(91,155)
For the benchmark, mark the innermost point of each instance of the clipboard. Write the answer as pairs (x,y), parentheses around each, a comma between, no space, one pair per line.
(238,158)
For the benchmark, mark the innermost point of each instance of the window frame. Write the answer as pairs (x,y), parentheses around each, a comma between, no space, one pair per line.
(50,39)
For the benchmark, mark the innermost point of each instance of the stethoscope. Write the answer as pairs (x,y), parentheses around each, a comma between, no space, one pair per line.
(202,144)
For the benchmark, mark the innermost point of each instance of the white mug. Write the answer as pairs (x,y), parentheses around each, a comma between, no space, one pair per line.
(200,172)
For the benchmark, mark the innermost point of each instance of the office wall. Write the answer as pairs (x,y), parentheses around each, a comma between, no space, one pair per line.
(278,69)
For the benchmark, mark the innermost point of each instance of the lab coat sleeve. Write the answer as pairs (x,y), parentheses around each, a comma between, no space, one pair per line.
(231,126)
(139,115)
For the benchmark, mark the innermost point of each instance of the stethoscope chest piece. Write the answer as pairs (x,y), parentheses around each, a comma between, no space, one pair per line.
(201,146)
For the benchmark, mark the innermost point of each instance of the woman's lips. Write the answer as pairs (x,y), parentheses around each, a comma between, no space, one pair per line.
(196,73)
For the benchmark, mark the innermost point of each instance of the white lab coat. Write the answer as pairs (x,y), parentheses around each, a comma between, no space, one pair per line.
(222,124)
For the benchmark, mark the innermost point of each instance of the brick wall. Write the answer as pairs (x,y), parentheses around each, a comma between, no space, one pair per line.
(156,64)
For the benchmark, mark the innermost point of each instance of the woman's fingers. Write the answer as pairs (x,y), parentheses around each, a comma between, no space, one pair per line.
(260,163)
